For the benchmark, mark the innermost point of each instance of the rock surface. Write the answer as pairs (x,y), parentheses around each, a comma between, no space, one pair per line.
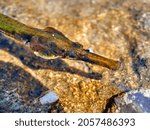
(116,29)
(134,101)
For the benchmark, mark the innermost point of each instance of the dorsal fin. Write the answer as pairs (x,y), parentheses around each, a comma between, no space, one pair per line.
(59,34)
(52,30)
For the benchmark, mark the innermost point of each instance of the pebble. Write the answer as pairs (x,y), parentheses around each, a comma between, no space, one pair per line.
(49,98)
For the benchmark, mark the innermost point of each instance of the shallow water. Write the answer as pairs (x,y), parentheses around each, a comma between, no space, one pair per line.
(117,29)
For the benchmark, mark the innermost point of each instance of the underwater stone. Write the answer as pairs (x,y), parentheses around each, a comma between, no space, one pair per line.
(134,101)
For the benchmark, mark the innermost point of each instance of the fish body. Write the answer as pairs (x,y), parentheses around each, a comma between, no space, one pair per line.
(50,42)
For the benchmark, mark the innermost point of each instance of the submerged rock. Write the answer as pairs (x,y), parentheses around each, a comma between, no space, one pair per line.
(134,101)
